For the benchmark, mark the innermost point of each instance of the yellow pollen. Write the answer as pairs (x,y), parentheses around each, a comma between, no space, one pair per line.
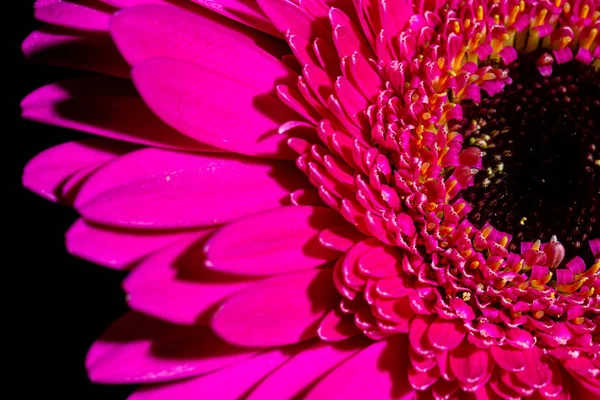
(578,320)
(467,23)
(474,265)
(522,222)
(595,16)
(459,207)
(414,97)
(456,27)
(504,241)
(536,245)
(522,5)
(523,285)
(541,16)
(584,11)
(538,314)
(557,3)
(513,15)
(587,42)
(564,42)
(486,232)
(518,266)
(496,19)
(468,230)
(426,116)
(597,162)
(430,226)
(479,13)
(443,245)
(431,207)
(466,296)
(440,62)
(567,8)
(466,253)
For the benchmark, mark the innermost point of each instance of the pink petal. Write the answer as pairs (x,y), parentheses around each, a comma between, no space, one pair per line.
(336,326)
(377,372)
(214,108)
(73,16)
(107,107)
(508,358)
(163,189)
(115,248)
(201,38)
(287,15)
(226,384)
(174,285)
(65,48)
(246,12)
(536,373)
(470,364)
(296,375)
(139,349)
(272,242)
(446,334)
(341,237)
(277,311)
(46,173)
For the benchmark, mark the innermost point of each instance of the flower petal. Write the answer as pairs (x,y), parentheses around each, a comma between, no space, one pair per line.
(173,284)
(46,173)
(295,376)
(278,311)
(202,38)
(79,50)
(214,108)
(104,106)
(273,242)
(117,248)
(446,334)
(226,384)
(73,16)
(154,188)
(377,372)
(139,349)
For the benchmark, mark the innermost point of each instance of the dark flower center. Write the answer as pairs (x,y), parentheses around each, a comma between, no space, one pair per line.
(541,169)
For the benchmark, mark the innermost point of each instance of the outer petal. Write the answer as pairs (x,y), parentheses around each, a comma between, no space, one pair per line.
(73,16)
(277,311)
(80,50)
(272,242)
(174,285)
(117,248)
(378,372)
(203,38)
(246,12)
(139,349)
(104,106)
(296,376)
(48,171)
(227,384)
(163,189)
(214,108)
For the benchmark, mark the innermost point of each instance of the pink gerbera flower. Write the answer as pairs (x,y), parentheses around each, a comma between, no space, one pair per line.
(436,237)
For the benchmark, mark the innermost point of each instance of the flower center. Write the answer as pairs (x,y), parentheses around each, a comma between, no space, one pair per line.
(541,138)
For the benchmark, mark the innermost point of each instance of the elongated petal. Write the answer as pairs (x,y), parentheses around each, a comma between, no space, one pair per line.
(227,384)
(377,372)
(292,378)
(246,12)
(273,242)
(164,189)
(200,37)
(139,349)
(214,108)
(277,311)
(74,16)
(174,285)
(104,106)
(48,171)
(116,248)
(79,50)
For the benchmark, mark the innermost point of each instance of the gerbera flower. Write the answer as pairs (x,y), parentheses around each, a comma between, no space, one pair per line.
(436,237)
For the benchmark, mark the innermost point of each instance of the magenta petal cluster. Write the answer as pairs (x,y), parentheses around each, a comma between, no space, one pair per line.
(285,181)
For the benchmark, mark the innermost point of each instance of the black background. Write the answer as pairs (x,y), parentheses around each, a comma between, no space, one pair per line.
(60,303)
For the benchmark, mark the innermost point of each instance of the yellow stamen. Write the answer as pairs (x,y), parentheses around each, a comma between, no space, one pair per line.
(459,207)
(567,8)
(479,13)
(536,245)
(466,253)
(538,314)
(497,19)
(504,241)
(512,17)
(584,11)
(587,42)
(486,232)
(522,5)
(564,42)
(467,23)
(474,265)
(456,27)
(557,3)
(578,320)
(540,17)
